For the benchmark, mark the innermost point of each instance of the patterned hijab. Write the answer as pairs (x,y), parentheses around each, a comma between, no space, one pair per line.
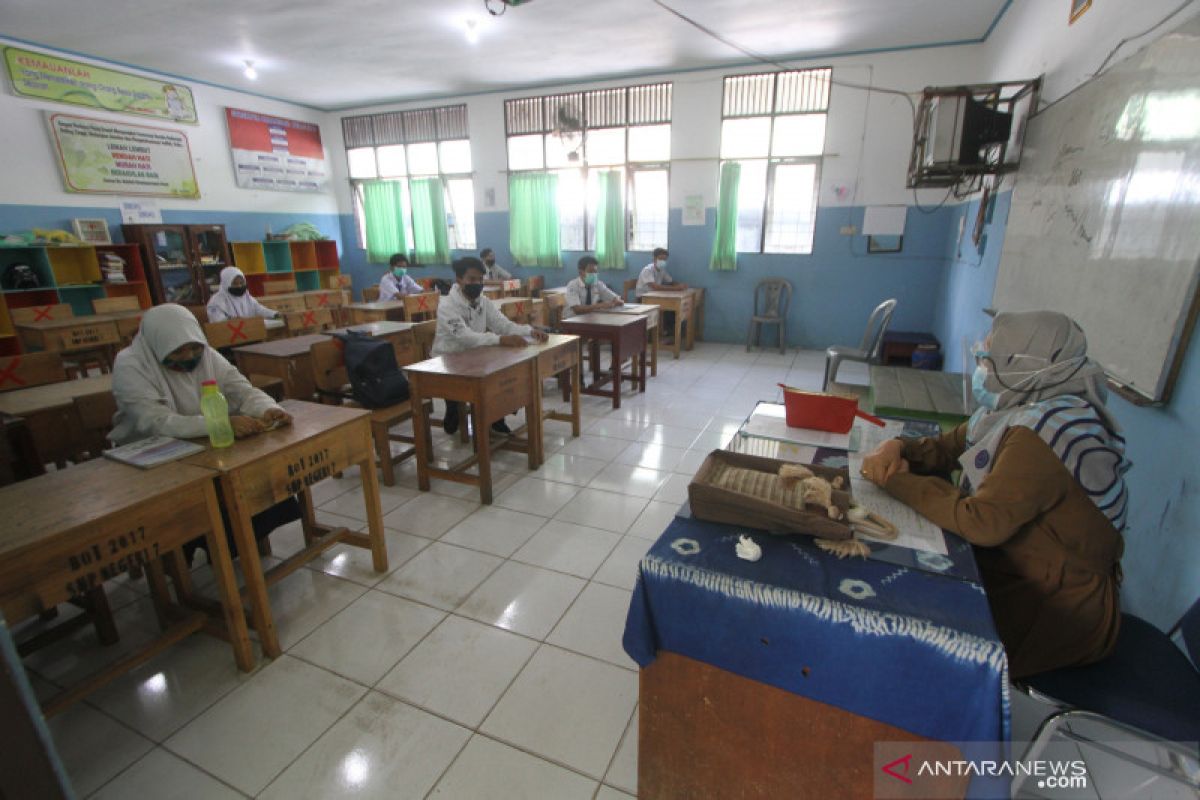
(1037,364)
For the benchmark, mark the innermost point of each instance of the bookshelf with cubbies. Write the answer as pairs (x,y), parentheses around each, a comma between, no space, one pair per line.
(313,265)
(66,274)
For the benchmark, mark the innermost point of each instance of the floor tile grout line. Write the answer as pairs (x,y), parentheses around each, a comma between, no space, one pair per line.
(624,732)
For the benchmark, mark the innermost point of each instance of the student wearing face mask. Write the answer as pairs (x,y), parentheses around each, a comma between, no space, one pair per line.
(587,293)
(1042,494)
(396,283)
(466,320)
(655,278)
(234,301)
(492,272)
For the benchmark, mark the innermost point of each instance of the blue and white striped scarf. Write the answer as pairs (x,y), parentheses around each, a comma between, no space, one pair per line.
(1092,452)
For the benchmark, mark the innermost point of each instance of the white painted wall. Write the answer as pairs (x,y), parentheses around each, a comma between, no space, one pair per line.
(31,175)
(867,140)
(1034,37)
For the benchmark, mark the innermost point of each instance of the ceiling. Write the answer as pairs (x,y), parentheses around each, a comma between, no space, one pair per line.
(348,53)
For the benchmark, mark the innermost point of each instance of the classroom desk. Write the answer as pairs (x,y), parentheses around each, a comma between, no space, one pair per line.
(514,287)
(559,354)
(683,306)
(495,381)
(626,335)
(49,410)
(258,472)
(379,311)
(284,303)
(653,329)
(522,310)
(286,359)
(494,292)
(392,331)
(919,394)
(73,333)
(64,533)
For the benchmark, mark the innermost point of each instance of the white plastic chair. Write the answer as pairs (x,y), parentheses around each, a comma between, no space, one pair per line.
(868,350)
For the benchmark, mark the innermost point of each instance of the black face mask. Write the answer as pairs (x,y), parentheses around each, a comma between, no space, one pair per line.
(237,291)
(472,291)
(183,366)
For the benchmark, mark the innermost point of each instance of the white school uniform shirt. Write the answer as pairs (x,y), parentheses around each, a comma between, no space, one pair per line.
(577,292)
(463,325)
(223,305)
(391,287)
(496,273)
(155,401)
(651,274)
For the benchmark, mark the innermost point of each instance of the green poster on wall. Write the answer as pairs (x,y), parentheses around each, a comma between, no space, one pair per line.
(103,157)
(47,77)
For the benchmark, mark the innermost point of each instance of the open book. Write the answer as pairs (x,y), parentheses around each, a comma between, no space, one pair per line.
(153,451)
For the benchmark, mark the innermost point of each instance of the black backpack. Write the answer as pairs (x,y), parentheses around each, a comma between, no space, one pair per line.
(376,381)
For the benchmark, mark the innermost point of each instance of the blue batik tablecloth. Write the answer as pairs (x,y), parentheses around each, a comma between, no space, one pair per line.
(899,645)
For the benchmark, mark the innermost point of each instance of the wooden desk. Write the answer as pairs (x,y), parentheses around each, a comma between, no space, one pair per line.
(286,359)
(559,354)
(682,305)
(77,333)
(257,473)
(49,410)
(919,394)
(653,329)
(384,330)
(626,335)
(495,381)
(697,294)
(289,302)
(522,310)
(378,311)
(509,288)
(65,533)
(494,291)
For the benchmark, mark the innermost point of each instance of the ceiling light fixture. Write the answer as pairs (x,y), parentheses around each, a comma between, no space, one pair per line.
(250,72)
(472,31)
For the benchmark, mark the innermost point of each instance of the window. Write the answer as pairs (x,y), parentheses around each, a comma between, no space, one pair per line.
(411,148)
(580,138)
(773,126)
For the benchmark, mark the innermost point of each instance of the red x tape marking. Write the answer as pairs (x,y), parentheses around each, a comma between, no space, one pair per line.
(43,312)
(310,318)
(235,330)
(10,374)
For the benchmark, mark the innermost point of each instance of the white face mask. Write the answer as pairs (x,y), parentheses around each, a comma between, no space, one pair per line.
(660,263)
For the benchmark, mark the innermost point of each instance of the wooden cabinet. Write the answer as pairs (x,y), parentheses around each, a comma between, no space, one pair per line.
(312,265)
(183,262)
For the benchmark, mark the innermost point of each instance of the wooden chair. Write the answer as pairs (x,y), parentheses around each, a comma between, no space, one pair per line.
(102,340)
(279,286)
(424,333)
(19,458)
(630,285)
(332,382)
(107,305)
(314,320)
(77,360)
(283,305)
(51,313)
(554,304)
(521,312)
(233,332)
(96,413)
(419,307)
(31,369)
(200,313)
(371,294)
(534,286)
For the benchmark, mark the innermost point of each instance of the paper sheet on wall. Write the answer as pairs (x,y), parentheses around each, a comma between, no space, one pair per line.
(768,421)
(884,220)
(916,532)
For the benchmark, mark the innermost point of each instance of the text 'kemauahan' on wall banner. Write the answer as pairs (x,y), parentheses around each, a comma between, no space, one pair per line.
(275,153)
(102,157)
(63,80)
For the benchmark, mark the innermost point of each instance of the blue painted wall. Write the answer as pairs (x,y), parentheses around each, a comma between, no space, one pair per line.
(1162,541)
(834,289)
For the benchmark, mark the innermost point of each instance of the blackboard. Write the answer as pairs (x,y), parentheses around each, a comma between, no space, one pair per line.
(1105,217)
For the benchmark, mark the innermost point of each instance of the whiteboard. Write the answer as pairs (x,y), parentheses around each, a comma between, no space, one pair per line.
(1105,218)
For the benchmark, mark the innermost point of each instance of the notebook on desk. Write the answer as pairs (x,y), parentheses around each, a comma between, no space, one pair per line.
(154,451)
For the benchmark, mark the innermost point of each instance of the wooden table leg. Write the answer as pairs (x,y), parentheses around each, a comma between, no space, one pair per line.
(641,358)
(533,432)
(308,517)
(422,436)
(678,333)
(617,363)
(101,616)
(691,328)
(252,571)
(370,489)
(227,589)
(483,451)
(655,337)
(575,392)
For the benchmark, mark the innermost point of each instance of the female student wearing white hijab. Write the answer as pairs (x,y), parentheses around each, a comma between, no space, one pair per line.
(234,301)
(156,383)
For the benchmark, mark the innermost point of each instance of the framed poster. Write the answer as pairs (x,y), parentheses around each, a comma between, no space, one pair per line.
(274,153)
(47,77)
(102,157)
(92,231)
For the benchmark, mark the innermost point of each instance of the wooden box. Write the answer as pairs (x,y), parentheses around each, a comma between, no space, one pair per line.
(715,503)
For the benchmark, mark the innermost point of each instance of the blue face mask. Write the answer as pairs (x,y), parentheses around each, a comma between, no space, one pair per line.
(984,397)
(589,278)
(399,272)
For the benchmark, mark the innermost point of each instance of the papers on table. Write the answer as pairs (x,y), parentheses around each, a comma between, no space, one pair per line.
(153,451)
(768,421)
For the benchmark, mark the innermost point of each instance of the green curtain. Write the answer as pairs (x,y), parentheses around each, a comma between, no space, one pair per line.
(610,222)
(431,242)
(724,251)
(533,219)
(383,208)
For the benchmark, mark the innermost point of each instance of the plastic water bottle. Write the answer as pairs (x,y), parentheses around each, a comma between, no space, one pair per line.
(216,414)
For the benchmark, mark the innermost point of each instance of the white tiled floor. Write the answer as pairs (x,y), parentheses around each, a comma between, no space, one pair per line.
(487,663)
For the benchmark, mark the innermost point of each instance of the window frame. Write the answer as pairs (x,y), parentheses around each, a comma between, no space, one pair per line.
(356,192)
(584,168)
(772,161)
